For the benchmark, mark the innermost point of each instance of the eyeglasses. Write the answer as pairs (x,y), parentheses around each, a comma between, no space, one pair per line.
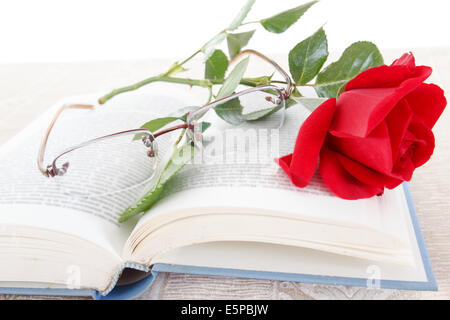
(120,161)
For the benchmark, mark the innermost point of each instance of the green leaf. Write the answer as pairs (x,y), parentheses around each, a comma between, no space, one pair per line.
(260,114)
(180,157)
(142,205)
(236,41)
(307,57)
(290,102)
(259,81)
(282,21)
(211,45)
(233,79)
(158,123)
(241,15)
(181,113)
(356,58)
(230,111)
(310,103)
(296,93)
(155,124)
(175,68)
(204,125)
(216,65)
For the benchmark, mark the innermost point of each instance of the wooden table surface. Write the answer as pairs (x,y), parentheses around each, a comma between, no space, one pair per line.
(28,89)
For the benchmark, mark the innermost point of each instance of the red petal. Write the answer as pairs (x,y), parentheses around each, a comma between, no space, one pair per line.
(302,163)
(427,102)
(374,151)
(398,121)
(340,181)
(285,163)
(379,77)
(407,59)
(366,175)
(386,76)
(359,111)
(416,148)
(393,183)
(354,110)
(403,169)
(424,147)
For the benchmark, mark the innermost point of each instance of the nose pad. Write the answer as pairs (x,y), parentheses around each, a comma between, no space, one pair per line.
(276,101)
(53,171)
(61,171)
(151,152)
(147,141)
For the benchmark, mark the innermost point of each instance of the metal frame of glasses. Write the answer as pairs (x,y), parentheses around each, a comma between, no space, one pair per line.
(149,138)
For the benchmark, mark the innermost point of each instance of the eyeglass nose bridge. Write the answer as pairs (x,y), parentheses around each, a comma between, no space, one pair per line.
(149,141)
(282,95)
(149,144)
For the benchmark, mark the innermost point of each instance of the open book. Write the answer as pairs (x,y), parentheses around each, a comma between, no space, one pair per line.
(238,218)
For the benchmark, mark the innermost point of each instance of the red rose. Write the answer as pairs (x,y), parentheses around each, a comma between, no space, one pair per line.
(373,136)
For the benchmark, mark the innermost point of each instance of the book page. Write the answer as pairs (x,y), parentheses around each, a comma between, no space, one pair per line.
(234,191)
(244,175)
(26,195)
(238,182)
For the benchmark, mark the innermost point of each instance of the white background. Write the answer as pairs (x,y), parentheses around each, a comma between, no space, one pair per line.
(66,30)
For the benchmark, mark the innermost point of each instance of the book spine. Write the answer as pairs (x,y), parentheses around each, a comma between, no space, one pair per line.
(116,276)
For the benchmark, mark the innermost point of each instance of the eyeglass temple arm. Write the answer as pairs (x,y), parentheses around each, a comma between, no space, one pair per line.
(289,85)
(40,160)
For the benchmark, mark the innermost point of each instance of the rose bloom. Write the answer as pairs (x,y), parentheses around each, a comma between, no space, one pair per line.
(373,136)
